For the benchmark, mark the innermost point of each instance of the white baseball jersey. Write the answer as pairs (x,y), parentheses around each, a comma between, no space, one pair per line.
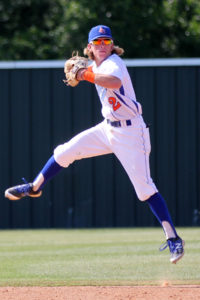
(129,141)
(117,104)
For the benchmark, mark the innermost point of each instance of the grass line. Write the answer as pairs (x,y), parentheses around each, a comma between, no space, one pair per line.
(95,257)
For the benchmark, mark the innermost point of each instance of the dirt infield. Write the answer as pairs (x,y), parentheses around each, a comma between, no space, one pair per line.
(101,293)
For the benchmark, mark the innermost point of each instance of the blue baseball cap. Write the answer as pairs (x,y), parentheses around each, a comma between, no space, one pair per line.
(99,31)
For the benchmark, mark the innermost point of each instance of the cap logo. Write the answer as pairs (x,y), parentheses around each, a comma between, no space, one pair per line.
(101,30)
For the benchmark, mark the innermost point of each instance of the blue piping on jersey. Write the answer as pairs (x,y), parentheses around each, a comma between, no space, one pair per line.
(120,98)
(136,105)
(122,92)
(114,116)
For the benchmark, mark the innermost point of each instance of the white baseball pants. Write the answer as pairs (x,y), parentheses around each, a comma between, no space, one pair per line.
(130,144)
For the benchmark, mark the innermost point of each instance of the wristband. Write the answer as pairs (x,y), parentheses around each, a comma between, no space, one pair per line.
(89,76)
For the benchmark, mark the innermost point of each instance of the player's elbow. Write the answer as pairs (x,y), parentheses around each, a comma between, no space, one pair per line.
(116,84)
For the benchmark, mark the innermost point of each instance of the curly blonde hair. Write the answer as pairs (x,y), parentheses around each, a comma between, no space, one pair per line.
(116,49)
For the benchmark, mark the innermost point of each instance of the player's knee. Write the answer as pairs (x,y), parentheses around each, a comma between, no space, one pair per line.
(142,196)
(63,155)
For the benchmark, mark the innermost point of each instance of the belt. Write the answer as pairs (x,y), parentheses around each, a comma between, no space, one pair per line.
(119,123)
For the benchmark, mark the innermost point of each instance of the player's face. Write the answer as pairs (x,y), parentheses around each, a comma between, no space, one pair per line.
(101,48)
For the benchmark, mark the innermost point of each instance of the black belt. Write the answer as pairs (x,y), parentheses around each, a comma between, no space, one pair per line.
(119,123)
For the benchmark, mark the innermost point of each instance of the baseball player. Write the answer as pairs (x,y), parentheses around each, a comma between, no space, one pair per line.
(123,132)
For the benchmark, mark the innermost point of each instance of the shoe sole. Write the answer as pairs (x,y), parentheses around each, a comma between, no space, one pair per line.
(174,261)
(13,198)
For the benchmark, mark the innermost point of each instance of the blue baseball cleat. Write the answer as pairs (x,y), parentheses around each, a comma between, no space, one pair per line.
(176,248)
(19,191)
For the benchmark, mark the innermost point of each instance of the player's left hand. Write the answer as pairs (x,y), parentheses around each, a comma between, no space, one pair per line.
(71,68)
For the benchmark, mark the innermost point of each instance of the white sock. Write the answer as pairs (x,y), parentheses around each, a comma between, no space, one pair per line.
(38,182)
(169,232)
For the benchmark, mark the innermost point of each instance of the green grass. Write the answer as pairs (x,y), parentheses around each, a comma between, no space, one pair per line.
(95,257)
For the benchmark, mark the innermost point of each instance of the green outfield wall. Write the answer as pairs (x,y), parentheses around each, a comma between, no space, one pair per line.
(38,112)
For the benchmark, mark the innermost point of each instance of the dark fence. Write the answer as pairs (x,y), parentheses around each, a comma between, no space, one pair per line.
(38,112)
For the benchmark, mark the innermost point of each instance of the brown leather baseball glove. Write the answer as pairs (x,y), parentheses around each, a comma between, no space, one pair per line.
(72,66)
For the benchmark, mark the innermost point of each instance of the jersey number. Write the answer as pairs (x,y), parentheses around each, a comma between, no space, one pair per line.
(115,104)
